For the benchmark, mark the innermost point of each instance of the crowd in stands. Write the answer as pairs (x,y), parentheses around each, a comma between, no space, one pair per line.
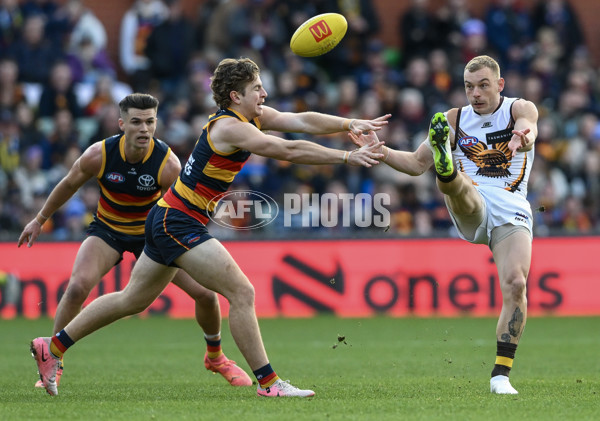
(59,90)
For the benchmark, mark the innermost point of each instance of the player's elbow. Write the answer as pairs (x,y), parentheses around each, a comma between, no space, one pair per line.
(290,152)
(415,170)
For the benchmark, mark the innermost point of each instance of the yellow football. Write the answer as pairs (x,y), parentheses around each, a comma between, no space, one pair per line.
(319,35)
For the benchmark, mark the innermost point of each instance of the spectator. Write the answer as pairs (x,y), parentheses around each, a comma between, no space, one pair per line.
(63,137)
(508,30)
(418,76)
(417,31)
(363,26)
(11,91)
(450,18)
(169,48)
(45,8)
(85,26)
(257,28)
(219,28)
(102,96)
(108,122)
(11,21)
(29,133)
(475,39)
(10,143)
(88,63)
(75,30)
(11,209)
(296,12)
(560,16)
(33,53)
(441,73)
(30,177)
(178,130)
(413,110)
(136,26)
(59,93)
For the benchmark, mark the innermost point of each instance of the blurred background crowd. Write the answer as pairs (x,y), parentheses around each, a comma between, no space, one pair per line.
(60,86)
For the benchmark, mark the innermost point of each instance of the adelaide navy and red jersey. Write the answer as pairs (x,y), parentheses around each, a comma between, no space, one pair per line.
(128,191)
(207,175)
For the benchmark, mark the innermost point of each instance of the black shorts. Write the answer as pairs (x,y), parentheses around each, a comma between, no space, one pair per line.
(118,241)
(170,233)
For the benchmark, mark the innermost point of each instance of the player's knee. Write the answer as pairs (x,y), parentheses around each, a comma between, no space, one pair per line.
(76,292)
(136,306)
(131,301)
(516,288)
(203,297)
(206,299)
(244,294)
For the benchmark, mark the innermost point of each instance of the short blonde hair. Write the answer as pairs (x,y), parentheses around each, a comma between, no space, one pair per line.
(480,62)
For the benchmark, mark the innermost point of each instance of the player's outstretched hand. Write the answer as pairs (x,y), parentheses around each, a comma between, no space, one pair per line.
(364,138)
(518,140)
(359,126)
(30,233)
(367,155)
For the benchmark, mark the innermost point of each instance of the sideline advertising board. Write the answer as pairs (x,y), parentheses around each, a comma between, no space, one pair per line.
(350,278)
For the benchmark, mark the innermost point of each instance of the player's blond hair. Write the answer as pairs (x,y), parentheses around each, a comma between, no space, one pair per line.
(480,62)
(232,75)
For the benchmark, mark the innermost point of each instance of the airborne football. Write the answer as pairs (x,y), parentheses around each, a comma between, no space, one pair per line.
(319,34)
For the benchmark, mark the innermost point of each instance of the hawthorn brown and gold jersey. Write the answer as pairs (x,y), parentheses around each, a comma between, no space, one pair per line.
(482,148)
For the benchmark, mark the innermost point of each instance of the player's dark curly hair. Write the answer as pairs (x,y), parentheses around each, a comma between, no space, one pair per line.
(232,75)
(139,101)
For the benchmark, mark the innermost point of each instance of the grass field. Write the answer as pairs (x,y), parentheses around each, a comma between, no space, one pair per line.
(388,369)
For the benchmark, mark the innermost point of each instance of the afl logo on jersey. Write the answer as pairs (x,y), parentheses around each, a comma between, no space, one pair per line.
(468,141)
(115,177)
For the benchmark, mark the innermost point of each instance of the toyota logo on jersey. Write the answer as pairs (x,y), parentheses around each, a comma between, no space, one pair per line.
(146,180)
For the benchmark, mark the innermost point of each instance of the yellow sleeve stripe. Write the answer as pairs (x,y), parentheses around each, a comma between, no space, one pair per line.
(208,139)
(162,167)
(103,160)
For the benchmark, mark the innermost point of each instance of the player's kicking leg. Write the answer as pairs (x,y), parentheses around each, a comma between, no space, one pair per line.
(440,143)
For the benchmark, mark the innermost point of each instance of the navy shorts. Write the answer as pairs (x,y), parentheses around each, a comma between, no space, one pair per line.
(170,233)
(117,240)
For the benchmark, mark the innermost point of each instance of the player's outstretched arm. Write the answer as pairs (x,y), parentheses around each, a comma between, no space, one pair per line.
(86,167)
(317,123)
(231,134)
(411,163)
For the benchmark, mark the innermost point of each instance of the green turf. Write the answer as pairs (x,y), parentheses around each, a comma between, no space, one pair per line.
(388,369)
